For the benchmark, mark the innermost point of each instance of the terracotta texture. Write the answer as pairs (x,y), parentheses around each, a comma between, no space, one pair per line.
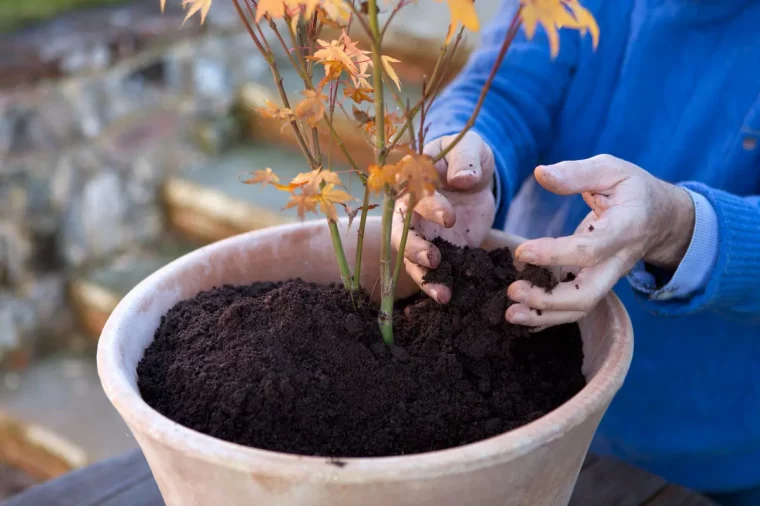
(534,465)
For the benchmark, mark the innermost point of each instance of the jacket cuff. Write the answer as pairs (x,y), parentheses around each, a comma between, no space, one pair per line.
(694,271)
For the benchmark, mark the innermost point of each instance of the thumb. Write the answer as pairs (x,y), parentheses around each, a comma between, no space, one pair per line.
(469,165)
(597,174)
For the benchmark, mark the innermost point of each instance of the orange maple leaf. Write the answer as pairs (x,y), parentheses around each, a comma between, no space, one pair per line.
(555,14)
(263,177)
(316,178)
(328,197)
(417,175)
(358,95)
(381,176)
(312,108)
(304,202)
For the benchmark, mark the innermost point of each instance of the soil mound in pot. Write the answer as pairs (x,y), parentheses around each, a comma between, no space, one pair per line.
(295,367)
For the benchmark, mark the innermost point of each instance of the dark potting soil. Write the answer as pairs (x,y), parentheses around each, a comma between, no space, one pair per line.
(295,367)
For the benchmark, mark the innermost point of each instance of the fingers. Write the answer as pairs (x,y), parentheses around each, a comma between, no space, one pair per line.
(586,248)
(418,249)
(568,301)
(469,166)
(520,314)
(598,174)
(439,293)
(438,209)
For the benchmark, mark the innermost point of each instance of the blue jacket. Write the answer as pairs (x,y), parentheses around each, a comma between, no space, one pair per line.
(673,87)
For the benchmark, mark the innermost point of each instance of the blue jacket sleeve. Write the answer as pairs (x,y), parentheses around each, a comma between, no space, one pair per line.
(517,115)
(732,285)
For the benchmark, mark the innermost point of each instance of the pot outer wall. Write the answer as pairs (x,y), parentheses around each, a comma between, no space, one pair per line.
(534,465)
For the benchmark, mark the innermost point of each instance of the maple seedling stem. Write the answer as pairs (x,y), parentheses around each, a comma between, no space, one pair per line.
(385,317)
(345,272)
(513,28)
(360,240)
(402,244)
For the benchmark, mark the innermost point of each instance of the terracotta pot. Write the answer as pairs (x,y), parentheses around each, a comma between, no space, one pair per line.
(534,465)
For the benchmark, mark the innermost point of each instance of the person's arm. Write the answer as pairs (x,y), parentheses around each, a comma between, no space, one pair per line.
(731,248)
(516,118)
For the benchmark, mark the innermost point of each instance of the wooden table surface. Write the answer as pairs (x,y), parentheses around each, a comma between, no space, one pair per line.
(127,481)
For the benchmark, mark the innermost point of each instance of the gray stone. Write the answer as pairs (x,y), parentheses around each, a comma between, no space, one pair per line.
(17,319)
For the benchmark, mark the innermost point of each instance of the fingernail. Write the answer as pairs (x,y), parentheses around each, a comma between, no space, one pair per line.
(441,218)
(518,318)
(423,258)
(434,294)
(527,257)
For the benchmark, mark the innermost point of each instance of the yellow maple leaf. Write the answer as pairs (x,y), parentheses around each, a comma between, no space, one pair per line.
(272,8)
(381,176)
(336,10)
(328,197)
(387,60)
(312,108)
(555,14)
(193,6)
(462,11)
(304,202)
(263,177)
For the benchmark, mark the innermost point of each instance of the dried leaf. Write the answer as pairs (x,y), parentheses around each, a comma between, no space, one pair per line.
(263,177)
(361,116)
(387,60)
(193,6)
(351,212)
(272,111)
(311,109)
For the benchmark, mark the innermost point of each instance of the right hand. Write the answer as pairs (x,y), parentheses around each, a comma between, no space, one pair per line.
(461,211)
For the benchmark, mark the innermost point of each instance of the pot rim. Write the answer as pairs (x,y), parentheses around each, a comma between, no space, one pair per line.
(144,420)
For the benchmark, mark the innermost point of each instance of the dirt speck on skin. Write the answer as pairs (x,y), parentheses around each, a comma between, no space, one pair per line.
(295,367)
(591,228)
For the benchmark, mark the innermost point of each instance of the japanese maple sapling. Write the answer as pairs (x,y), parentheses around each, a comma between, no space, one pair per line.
(340,77)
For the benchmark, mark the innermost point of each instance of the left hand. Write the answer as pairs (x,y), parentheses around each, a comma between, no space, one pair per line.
(633,216)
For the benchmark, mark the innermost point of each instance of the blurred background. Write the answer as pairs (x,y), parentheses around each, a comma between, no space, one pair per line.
(123,137)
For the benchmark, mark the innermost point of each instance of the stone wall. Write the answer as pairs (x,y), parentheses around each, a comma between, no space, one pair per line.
(97,108)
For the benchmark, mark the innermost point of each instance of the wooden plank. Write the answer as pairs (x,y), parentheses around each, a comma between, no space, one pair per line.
(673,495)
(609,482)
(105,483)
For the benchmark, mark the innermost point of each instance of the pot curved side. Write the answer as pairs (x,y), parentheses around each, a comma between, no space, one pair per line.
(535,465)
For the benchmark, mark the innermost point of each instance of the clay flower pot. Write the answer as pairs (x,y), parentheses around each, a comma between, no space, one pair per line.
(536,464)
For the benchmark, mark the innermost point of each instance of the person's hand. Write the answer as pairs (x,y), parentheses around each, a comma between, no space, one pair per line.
(634,216)
(461,211)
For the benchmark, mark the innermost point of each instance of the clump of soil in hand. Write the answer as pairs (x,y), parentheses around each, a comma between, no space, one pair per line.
(297,368)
